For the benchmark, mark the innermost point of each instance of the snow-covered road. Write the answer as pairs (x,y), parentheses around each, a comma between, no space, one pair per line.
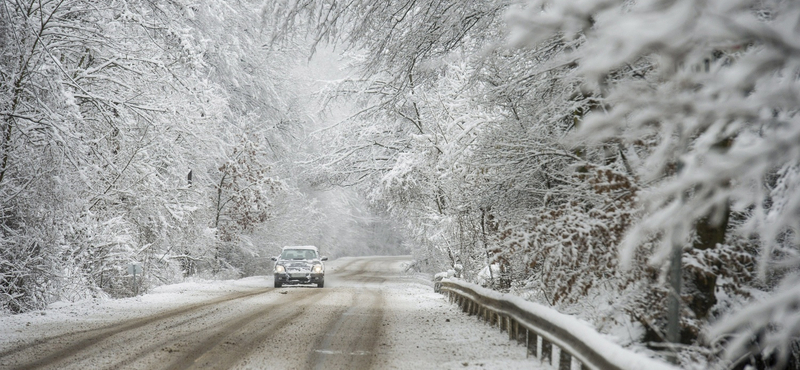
(369,315)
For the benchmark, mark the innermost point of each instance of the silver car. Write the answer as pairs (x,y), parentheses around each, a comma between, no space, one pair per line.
(299,265)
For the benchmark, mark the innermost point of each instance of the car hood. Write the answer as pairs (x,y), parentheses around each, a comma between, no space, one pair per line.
(299,263)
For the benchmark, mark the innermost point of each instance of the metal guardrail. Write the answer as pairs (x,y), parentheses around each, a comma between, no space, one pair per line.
(540,330)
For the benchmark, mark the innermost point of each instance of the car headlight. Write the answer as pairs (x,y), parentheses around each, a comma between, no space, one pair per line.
(317,269)
(279,269)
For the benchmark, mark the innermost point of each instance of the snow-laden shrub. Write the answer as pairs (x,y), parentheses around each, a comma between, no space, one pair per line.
(565,249)
(25,270)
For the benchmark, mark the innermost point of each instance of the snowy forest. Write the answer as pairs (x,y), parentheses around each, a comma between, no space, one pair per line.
(589,155)
(158,133)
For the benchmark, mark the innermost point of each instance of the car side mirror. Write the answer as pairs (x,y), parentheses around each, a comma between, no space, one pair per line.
(274,258)
(324,259)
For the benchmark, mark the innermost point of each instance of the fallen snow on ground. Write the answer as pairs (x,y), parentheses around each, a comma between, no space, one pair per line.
(64,317)
(421,329)
(426,331)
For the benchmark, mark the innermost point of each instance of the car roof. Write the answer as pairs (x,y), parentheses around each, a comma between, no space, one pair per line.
(300,247)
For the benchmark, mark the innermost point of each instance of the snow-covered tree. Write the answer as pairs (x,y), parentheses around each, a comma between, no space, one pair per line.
(116,120)
(704,94)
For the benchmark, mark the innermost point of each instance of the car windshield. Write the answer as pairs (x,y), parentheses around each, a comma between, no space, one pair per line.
(299,254)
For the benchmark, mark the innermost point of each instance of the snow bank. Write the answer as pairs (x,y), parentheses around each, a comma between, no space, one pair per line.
(594,341)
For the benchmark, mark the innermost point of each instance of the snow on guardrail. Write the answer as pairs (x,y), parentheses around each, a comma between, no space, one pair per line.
(527,322)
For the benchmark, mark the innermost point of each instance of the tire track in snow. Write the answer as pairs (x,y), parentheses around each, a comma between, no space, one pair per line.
(82,340)
(242,336)
(350,340)
(340,326)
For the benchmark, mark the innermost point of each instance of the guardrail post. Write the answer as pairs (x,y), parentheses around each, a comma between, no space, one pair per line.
(517,332)
(564,360)
(547,351)
(532,342)
(511,328)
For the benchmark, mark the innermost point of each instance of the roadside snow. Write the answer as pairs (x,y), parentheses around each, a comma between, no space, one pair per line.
(602,344)
(65,317)
(425,331)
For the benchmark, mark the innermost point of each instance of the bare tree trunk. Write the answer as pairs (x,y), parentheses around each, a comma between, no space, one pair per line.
(486,244)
